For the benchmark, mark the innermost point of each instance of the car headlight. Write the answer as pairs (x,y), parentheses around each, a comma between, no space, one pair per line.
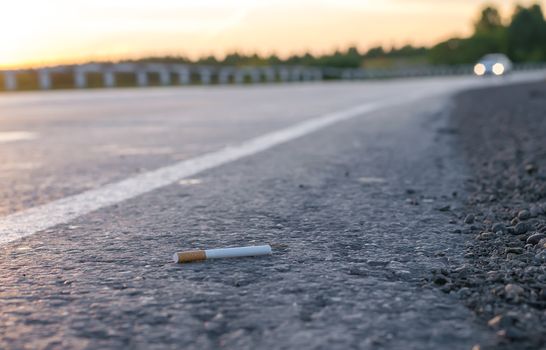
(480,69)
(498,69)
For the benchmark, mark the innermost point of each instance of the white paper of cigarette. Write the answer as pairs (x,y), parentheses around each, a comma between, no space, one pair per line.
(237,252)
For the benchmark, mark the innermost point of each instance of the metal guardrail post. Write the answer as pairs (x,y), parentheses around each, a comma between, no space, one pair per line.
(142,78)
(205,75)
(223,76)
(80,79)
(183,76)
(295,74)
(346,74)
(10,80)
(269,74)
(239,76)
(284,75)
(44,79)
(255,76)
(108,78)
(165,77)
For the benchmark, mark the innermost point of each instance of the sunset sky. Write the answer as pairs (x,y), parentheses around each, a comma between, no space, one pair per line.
(38,32)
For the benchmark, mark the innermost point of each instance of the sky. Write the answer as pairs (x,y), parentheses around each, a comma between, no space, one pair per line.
(38,32)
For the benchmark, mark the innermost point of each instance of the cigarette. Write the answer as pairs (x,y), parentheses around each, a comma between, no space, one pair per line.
(237,252)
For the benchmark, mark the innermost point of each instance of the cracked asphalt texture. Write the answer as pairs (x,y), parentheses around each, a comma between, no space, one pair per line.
(352,250)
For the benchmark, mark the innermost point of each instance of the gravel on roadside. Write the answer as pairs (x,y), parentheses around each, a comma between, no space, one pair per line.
(502,133)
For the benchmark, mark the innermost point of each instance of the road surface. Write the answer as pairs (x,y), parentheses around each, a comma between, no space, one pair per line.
(99,188)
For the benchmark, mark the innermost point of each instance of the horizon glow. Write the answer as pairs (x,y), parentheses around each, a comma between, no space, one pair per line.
(36,33)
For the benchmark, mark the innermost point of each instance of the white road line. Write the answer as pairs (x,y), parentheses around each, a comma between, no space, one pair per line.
(33,220)
(12,136)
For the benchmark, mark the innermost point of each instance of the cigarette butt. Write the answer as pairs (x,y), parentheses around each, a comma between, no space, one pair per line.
(237,252)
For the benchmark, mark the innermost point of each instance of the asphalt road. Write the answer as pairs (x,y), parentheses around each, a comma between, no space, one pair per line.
(351,250)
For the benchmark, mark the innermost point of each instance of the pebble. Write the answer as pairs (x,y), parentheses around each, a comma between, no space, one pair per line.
(486,235)
(412,201)
(535,211)
(464,293)
(520,228)
(495,321)
(503,321)
(514,250)
(540,257)
(440,280)
(499,227)
(513,291)
(469,219)
(524,215)
(534,239)
(531,168)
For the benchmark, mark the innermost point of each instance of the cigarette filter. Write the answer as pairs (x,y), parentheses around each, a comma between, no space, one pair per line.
(197,255)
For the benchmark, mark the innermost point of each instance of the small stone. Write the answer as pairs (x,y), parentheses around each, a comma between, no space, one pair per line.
(534,239)
(498,227)
(495,321)
(531,168)
(513,291)
(412,201)
(535,211)
(540,257)
(476,227)
(485,236)
(514,221)
(514,250)
(440,280)
(469,219)
(520,228)
(514,334)
(524,215)
(504,321)
(444,208)
(464,293)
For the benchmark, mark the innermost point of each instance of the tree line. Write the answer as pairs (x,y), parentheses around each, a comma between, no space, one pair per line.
(522,39)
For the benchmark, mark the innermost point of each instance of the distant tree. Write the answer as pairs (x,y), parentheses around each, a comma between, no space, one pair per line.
(527,34)
(375,52)
(232,59)
(490,21)
(274,60)
(209,61)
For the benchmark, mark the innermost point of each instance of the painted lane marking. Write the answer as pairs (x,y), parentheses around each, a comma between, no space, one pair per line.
(190,182)
(119,150)
(372,180)
(12,136)
(61,211)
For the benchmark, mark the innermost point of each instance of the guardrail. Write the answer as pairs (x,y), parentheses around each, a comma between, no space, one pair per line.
(160,74)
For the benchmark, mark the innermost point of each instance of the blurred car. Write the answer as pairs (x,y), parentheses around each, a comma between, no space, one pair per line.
(493,64)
